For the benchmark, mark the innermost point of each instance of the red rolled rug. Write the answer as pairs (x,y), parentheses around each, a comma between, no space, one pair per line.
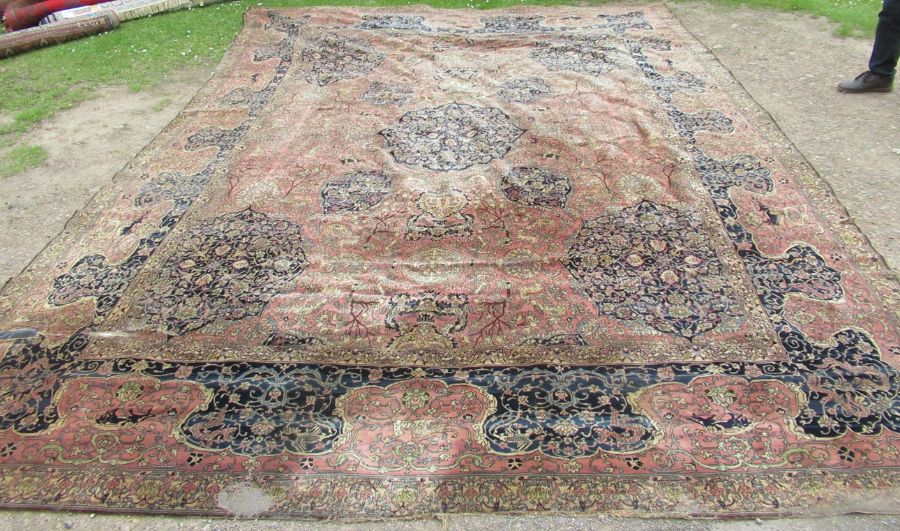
(21,14)
(12,5)
(31,38)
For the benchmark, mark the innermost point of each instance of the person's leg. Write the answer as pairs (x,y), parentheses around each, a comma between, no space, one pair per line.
(886,50)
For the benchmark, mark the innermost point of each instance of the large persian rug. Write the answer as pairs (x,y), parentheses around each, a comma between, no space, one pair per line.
(405,263)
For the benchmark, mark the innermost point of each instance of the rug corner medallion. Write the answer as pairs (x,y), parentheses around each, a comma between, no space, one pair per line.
(407,262)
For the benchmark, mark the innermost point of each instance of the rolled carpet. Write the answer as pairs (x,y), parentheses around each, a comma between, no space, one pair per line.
(29,39)
(67,14)
(21,14)
(12,5)
(129,9)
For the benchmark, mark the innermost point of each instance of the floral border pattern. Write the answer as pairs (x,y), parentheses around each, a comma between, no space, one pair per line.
(845,386)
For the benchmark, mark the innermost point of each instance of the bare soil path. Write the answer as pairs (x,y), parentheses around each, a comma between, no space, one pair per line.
(789,63)
(86,146)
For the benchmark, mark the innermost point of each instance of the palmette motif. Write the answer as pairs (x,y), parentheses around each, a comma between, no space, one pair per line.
(355,191)
(228,268)
(395,22)
(525,90)
(650,263)
(532,186)
(585,55)
(512,24)
(389,94)
(460,306)
(332,58)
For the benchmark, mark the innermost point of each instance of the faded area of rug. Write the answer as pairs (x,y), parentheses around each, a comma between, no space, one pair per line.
(396,263)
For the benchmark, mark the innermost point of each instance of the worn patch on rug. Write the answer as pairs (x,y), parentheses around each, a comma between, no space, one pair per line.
(399,263)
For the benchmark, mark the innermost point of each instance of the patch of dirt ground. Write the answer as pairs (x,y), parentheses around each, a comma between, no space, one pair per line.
(86,146)
(789,63)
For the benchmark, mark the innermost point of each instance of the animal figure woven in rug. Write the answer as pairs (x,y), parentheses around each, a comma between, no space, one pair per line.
(404,263)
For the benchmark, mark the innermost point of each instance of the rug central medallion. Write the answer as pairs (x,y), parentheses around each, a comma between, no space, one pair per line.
(452,137)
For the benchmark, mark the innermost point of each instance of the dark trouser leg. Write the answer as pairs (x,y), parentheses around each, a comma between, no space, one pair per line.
(886,49)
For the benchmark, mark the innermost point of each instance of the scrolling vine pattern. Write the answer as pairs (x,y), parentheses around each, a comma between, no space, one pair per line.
(269,408)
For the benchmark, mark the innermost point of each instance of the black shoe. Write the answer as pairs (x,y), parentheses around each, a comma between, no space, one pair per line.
(867,82)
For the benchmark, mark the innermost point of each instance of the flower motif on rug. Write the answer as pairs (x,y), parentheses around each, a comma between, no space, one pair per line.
(91,276)
(441,216)
(384,94)
(419,424)
(102,413)
(679,82)
(564,415)
(282,49)
(745,171)
(653,264)
(227,268)
(513,24)
(331,58)
(357,191)
(533,186)
(26,383)
(461,73)
(725,422)
(223,139)
(524,90)
(291,339)
(170,186)
(426,320)
(711,120)
(243,96)
(585,55)
(259,410)
(800,270)
(395,22)
(621,23)
(655,43)
(849,387)
(557,340)
(454,136)
(434,265)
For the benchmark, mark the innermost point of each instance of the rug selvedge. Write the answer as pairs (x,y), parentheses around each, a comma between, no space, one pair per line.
(407,434)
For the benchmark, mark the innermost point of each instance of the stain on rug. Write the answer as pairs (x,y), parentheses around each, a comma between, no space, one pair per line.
(399,263)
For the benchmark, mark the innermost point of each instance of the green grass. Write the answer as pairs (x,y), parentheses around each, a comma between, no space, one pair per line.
(140,54)
(20,158)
